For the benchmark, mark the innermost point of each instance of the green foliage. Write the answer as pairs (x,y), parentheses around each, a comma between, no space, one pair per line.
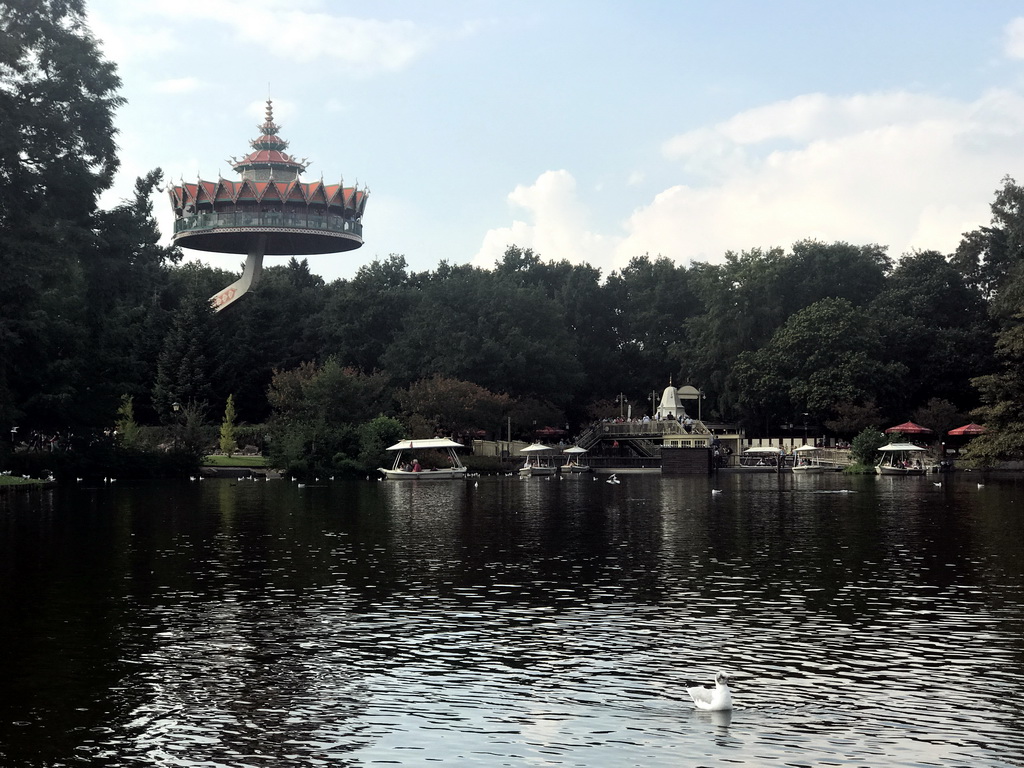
(374,438)
(492,329)
(57,154)
(183,369)
(316,412)
(192,438)
(1002,398)
(851,418)
(938,415)
(823,357)
(864,447)
(127,429)
(452,407)
(227,428)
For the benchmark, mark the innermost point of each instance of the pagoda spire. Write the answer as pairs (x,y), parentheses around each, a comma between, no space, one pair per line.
(269,127)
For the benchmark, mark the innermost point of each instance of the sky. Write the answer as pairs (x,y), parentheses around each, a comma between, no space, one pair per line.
(588,130)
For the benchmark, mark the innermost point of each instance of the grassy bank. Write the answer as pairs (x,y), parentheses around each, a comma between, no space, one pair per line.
(11,480)
(859,469)
(219,460)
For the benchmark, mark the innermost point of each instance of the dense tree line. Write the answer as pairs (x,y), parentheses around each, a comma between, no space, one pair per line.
(93,309)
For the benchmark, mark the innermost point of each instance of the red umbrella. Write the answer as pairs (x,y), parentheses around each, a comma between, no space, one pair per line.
(908,428)
(550,431)
(968,429)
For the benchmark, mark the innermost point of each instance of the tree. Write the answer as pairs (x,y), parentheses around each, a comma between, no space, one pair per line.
(938,415)
(57,154)
(451,406)
(652,302)
(852,418)
(374,438)
(935,324)
(316,412)
(824,356)
(128,432)
(865,446)
(363,316)
(989,257)
(494,331)
(227,428)
(1002,403)
(183,370)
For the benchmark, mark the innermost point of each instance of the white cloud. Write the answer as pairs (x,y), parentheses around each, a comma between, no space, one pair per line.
(1014,33)
(899,169)
(178,85)
(559,228)
(283,29)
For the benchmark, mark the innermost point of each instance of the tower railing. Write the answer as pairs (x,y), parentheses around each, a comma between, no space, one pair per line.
(200,222)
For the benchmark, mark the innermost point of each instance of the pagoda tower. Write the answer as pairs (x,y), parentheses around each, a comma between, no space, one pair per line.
(267,212)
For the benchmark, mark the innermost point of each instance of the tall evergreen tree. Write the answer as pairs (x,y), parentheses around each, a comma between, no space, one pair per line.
(183,370)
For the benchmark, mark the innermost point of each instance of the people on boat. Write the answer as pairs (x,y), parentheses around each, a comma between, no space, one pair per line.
(416,466)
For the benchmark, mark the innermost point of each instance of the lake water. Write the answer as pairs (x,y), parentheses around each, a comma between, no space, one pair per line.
(504,622)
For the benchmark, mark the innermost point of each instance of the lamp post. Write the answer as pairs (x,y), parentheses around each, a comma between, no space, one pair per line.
(805,427)
(176,407)
(700,396)
(622,399)
(654,399)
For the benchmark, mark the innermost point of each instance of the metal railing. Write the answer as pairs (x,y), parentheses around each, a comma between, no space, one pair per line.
(200,222)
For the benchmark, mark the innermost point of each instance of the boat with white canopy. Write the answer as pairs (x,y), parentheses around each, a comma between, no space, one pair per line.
(807,460)
(538,460)
(901,459)
(576,461)
(760,459)
(440,462)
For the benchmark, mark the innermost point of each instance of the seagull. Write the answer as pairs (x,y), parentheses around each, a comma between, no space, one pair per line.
(937,485)
(717,699)
(981,485)
(613,479)
(716,490)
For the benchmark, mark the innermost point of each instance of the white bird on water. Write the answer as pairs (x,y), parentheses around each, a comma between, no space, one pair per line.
(717,699)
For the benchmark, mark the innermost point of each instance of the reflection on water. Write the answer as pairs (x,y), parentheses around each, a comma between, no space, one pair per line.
(865,621)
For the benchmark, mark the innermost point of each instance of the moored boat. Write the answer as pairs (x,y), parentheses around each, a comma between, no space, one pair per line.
(760,459)
(407,465)
(807,461)
(538,461)
(576,462)
(901,459)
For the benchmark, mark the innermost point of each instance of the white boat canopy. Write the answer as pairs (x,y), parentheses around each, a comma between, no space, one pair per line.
(901,447)
(575,449)
(536,447)
(762,449)
(426,444)
(803,448)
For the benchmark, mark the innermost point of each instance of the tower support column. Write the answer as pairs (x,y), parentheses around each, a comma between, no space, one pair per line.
(250,276)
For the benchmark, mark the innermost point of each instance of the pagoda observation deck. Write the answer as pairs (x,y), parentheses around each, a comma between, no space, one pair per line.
(268,211)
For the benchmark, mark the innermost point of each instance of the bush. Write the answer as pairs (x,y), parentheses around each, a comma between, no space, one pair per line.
(865,445)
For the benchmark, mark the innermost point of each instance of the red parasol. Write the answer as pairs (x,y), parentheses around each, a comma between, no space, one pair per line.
(968,429)
(549,431)
(909,428)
